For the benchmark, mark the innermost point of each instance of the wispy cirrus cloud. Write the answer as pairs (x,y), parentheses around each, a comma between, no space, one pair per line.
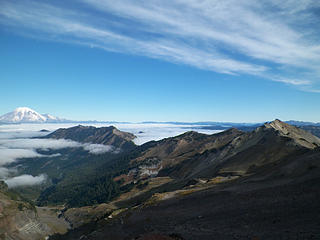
(275,40)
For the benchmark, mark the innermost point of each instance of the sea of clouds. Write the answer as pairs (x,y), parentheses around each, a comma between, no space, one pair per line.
(22,141)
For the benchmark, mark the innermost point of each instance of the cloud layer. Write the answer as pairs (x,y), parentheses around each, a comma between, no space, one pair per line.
(12,149)
(9,155)
(25,180)
(5,172)
(276,40)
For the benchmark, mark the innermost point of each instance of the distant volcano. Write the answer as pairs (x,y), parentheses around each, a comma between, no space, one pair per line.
(28,115)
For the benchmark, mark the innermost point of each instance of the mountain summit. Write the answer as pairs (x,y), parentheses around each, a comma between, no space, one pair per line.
(298,135)
(88,134)
(27,115)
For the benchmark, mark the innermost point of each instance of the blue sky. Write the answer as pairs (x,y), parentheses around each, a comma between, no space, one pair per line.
(178,60)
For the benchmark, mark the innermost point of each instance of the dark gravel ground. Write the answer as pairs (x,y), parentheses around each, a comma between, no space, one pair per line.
(247,211)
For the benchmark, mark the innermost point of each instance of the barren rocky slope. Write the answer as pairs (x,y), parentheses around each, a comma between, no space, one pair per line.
(21,220)
(256,185)
(231,152)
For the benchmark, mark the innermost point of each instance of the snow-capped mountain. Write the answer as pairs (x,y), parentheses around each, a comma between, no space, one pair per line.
(27,115)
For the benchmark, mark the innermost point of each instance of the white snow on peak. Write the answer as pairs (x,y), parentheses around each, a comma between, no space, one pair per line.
(23,109)
(26,115)
(50,117)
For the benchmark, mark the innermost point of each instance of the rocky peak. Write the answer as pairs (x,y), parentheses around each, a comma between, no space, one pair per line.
(280,126)
(299,136)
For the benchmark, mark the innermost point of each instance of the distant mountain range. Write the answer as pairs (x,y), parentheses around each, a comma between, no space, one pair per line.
(28,115)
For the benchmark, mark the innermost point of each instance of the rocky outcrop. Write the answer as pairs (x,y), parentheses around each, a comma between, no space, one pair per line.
(298,135)
(20,220)
(170,152)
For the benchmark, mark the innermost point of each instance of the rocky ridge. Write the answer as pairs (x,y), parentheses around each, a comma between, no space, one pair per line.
(88,134)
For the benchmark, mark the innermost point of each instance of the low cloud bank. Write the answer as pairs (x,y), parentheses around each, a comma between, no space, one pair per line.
(39,143)
(155,132)
(55,144)
(9,155)
(12,149)
(25,180)
(5,172)
(99,148)
(17,134)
